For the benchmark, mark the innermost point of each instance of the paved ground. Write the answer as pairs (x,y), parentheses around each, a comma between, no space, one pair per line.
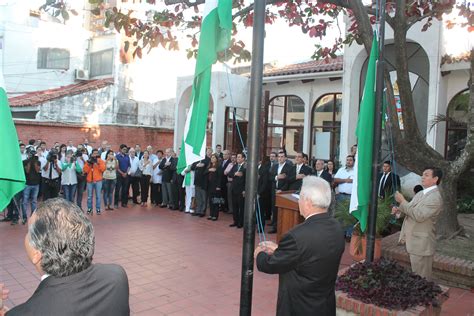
(177,264)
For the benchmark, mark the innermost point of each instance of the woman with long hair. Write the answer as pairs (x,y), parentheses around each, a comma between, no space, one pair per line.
(331,169)
(146,166)
(62,152)
(215,187)
(110,178)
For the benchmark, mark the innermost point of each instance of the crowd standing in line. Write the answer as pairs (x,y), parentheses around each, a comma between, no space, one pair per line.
(215,183)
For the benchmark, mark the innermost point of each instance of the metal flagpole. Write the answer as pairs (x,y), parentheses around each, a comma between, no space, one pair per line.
(377,136)
(252,172)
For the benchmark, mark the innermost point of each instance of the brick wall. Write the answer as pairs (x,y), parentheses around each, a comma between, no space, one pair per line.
(51,132)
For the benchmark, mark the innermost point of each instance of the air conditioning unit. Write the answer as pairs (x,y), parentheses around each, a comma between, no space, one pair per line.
(82,74)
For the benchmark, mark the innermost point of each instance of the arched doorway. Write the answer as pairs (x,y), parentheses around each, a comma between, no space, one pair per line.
(456,125)
(285,124)
(326,127)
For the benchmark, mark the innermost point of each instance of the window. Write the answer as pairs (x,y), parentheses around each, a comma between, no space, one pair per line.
(101,63)
(236,131)
(285,125)
(53,58)
(456,129)
(326,127)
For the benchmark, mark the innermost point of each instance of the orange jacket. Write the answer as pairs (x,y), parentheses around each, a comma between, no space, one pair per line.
(94,173)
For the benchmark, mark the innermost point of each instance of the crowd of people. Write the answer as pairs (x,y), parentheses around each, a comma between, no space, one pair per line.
(111,179)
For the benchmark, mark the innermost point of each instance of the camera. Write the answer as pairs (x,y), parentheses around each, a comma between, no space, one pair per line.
(52,156)
(78,153)
(92,160)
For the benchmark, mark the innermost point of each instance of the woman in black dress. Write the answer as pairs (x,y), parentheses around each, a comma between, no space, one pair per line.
(214,188)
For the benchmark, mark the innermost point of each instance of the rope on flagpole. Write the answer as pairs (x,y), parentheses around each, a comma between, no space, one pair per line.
(260,224)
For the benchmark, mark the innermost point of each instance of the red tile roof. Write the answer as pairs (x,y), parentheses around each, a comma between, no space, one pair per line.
(39,97)
(312,66)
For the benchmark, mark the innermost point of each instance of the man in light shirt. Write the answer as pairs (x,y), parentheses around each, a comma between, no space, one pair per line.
(70,146)
(343,179)
(134,178)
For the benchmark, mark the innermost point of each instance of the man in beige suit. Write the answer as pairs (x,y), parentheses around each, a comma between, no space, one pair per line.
(418,230)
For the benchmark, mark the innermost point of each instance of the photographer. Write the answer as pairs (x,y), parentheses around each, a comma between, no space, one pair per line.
(81,159)
(94,168)
(69,169)
(50,172)
(32,168)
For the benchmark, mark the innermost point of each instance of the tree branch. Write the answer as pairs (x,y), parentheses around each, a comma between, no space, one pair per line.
(186,2)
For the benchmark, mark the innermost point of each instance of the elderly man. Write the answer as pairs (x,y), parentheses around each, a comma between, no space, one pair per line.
(421,213)
(307,257)
(60,244)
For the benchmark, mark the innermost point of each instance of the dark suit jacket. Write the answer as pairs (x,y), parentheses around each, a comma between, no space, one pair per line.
(307,260)
(101,289)
(168,171)
(238,183)
(200,173)
(215,180)
(325,175)
(264,185)
(283,184)
(295,184)
(388,187)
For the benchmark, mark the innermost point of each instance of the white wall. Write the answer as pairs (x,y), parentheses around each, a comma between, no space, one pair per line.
(23,35)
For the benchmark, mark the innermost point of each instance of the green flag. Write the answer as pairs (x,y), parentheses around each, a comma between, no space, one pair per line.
(12,175)
(215,36)
(362,182)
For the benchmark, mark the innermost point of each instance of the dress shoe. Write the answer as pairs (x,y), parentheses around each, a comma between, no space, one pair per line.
(233,225)
(214,219)
(239,226)
(162,205)
(124,205)
(272,231)
(209,217)
(6,219)
(14,222)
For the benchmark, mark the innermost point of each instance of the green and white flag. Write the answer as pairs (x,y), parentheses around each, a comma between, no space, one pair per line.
(216,28)
(362,182)
(12,175)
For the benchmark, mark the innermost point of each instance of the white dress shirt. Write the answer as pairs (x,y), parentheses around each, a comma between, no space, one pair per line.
(134,163)
(156,175)
(425,191)
(344,173)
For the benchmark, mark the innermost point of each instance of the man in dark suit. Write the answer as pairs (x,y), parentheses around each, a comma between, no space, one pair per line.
(70,284)
(237,174)
(280,174)
(225,163)
(168,167)
(321,173)
(300,170)
(308,256)
(386,180)
(201,180)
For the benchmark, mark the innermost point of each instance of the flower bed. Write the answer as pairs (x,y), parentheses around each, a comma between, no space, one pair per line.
(387,288)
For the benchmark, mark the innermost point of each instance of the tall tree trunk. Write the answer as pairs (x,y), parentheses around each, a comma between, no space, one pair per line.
(448,224)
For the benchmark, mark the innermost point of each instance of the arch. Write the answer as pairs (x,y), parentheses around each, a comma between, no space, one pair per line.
(456,124)
(285,124)
(326,127)
(184,104)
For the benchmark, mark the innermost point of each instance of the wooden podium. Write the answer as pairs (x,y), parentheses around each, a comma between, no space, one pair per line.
(288,213)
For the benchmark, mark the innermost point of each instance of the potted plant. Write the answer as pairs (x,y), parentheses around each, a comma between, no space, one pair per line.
(384,222)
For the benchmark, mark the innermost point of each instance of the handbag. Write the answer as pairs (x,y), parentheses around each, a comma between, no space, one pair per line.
(138,173)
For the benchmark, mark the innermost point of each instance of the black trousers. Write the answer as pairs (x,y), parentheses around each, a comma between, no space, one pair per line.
(265,204)
(134,182)
(181,198)
(238,208)
(144,187)
(274,210)
(213,208)
(121,190)
(156,197)
(50,188)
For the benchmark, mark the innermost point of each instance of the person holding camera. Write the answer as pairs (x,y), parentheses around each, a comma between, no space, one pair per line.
(81,159)
(94,168)
(110,179)
(33,179)
(50,172)
(69,169)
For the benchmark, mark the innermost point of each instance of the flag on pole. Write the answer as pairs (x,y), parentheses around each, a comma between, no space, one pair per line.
(12,175)
(361,186)
(216,28)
